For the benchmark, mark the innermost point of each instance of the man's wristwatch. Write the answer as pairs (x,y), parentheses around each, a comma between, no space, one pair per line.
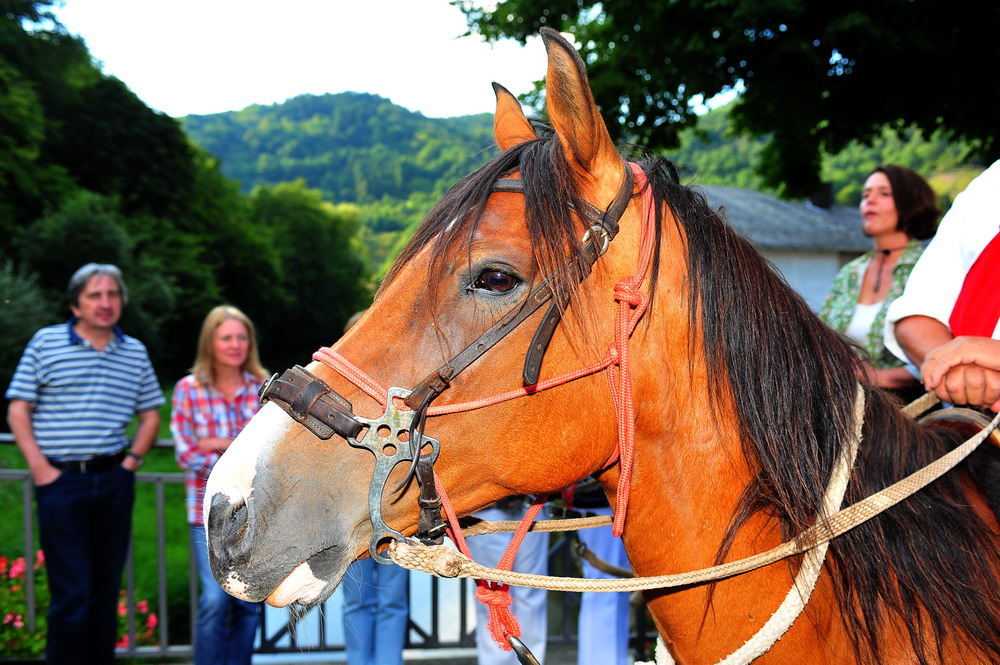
(137,457)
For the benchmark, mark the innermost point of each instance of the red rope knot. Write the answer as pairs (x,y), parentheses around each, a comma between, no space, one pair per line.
(627,291)
(495,596)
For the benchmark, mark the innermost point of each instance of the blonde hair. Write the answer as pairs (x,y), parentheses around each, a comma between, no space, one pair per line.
(204,362)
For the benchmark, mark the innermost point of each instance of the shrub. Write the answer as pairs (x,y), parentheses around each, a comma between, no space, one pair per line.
(17,641)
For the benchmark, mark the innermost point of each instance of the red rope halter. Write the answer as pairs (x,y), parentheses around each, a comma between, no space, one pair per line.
(632,303)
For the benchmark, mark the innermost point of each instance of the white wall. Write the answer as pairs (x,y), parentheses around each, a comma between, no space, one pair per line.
(809,273)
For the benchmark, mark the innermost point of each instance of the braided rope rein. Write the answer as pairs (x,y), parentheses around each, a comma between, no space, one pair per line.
(445,562)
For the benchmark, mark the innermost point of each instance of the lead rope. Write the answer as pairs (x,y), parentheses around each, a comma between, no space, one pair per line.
(812,562)
(444,562)
(503,625)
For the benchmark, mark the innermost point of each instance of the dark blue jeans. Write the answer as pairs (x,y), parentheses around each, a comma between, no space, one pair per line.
(227,626)
(85,523)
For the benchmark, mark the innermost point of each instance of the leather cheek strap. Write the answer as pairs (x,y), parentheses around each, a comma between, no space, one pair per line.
(594,246)
(310,401)
(602,232)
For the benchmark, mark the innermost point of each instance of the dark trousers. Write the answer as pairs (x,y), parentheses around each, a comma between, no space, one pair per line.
(85,524)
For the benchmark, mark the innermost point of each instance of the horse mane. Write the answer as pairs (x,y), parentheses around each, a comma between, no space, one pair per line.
(930,560)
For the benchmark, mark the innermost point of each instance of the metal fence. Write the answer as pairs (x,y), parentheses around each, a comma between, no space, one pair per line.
(442,612)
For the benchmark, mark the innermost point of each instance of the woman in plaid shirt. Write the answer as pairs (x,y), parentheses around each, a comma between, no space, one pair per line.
(210,407)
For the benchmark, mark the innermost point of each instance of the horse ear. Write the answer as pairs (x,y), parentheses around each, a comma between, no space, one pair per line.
(573,112)
(509,124)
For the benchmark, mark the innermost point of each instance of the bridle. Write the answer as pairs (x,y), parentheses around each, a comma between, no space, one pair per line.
(398,435)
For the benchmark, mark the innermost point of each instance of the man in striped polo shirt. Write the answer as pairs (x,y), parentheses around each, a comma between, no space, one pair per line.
(74,391)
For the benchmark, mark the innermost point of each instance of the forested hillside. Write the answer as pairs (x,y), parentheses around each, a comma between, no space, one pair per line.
(89,173)
(353,147)
(363,149)
(394,164)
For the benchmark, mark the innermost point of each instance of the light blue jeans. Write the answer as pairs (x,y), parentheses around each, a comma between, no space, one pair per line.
(604,617)
(226,627)
(376,612)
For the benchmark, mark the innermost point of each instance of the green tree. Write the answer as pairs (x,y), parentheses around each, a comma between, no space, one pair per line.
(35,68)
(89,227)
(112,143)
(240,253)
(817,75)
(26,308)
(322,269)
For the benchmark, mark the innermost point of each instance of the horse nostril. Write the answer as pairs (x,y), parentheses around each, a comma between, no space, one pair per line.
(228,525)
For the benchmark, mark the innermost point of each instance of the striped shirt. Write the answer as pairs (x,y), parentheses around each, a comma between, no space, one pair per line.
(200,411)
(83,398)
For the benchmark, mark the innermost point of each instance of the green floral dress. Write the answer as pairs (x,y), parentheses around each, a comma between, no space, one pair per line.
(839,306)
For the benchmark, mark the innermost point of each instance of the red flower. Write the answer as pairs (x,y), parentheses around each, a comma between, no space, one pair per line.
(17,568)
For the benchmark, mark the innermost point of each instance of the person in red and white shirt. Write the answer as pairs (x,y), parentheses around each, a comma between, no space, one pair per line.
(210,407)
(947,321)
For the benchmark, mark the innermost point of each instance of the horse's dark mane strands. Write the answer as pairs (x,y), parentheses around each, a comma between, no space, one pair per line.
(792,381)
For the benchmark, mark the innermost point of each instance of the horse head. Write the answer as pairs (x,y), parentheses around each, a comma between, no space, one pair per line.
(287,512)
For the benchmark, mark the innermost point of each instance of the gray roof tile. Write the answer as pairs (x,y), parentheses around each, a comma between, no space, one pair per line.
(771,223)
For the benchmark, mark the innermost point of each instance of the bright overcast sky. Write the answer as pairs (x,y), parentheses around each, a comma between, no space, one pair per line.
(208,56)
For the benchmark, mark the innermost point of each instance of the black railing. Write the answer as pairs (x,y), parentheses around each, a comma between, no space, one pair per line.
(441,611)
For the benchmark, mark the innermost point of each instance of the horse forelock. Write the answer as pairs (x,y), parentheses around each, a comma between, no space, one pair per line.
(550,192)
(792,381)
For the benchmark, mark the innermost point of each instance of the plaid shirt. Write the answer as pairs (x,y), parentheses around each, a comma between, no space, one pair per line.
(200,411)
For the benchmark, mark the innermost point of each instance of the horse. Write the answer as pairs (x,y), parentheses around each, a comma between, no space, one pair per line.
(735,399)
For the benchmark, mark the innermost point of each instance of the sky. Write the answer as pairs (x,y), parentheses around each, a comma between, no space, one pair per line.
(208,56)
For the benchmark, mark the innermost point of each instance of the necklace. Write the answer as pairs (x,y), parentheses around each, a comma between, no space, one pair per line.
(882,255)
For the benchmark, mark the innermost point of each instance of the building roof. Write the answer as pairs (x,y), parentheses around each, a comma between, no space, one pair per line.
(770,223)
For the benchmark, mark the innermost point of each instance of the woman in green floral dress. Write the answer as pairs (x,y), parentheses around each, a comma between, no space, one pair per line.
(898,212)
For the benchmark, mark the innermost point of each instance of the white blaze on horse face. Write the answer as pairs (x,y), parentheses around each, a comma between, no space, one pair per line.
(300,586)
(233,474)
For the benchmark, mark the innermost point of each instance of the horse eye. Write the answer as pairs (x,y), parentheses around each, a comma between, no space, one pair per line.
(495,281)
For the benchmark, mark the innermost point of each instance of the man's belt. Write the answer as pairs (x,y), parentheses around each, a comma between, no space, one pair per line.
(92,465)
